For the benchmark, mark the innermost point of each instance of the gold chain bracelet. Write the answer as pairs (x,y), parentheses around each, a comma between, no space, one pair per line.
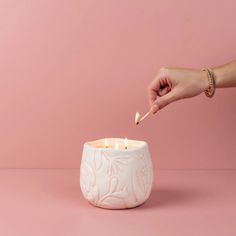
(210,91)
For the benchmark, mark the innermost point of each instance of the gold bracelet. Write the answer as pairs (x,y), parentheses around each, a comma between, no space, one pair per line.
(212,83)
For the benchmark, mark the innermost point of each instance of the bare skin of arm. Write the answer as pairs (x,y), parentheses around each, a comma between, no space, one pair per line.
(173,84)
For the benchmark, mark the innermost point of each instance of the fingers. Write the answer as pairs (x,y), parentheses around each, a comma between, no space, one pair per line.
(159,86)
(163,101)
(163,91)
(152,94)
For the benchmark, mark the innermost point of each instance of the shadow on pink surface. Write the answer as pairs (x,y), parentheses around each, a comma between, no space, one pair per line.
(167,197)
(164,197)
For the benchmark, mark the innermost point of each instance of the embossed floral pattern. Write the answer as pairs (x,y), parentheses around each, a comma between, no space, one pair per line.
(115,163)
(113,196)
(116,180)
(88,183)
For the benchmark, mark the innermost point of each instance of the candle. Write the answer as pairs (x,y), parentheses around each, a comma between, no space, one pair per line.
(117,176)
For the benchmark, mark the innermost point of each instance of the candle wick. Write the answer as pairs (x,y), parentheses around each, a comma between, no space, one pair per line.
(106,143)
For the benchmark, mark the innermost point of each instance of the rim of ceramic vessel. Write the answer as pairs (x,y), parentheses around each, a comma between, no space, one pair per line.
(99,143)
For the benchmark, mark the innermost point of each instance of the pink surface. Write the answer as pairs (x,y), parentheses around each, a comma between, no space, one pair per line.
(48,202)
(63,63)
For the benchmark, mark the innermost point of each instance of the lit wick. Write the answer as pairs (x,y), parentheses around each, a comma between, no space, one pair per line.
(106,143)
(116,145)
(126,143)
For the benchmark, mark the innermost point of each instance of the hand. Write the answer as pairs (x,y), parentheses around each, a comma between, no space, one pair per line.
(172,84)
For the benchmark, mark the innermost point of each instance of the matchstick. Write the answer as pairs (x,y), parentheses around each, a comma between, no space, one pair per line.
(138,118)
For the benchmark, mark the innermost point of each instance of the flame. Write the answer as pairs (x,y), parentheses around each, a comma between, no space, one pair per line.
(106,143)
(116,145)
(126,143)
(137,118)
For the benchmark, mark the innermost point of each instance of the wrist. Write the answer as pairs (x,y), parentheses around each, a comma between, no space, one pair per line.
(218,72)
(204,82)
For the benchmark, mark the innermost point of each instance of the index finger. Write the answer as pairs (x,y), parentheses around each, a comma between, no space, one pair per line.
(153,90)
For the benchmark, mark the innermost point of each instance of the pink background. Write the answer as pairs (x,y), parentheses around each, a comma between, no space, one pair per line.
(64,63)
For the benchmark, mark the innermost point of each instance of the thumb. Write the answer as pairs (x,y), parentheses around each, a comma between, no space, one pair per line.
(163,101)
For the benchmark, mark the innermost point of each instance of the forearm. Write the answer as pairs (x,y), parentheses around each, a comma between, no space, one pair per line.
(225,75)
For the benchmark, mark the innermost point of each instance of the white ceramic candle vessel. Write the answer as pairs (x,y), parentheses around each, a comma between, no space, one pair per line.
(114,177)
